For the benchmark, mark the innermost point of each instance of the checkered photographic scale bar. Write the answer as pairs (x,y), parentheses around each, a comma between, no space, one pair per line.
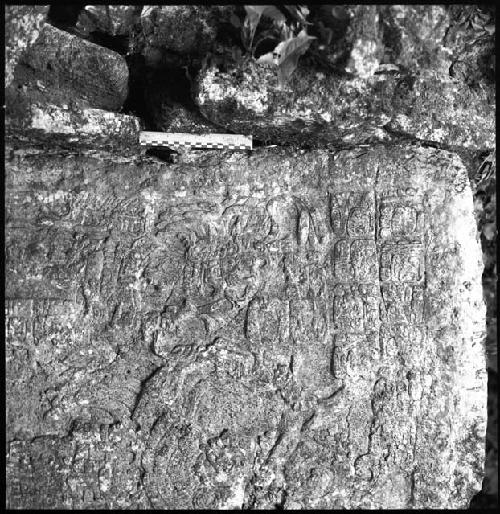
(178,141)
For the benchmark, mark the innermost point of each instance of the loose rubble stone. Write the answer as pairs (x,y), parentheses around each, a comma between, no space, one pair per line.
(399,82)
(445,39)
(169,116)
(413,37)
(180,29)
(72,126)
(294,329)
(325,111)
(471,41)
(367,50)
(115,20)
(69,68)
(22,27)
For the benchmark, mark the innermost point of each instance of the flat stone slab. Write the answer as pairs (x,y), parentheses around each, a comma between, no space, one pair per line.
(74,127)
(301,330)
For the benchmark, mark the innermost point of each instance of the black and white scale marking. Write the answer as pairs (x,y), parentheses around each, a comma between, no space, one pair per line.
(178,141)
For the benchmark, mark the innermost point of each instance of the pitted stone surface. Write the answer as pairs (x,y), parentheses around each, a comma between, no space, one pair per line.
(295,329)
(327,111)
(22,28)
(68,68)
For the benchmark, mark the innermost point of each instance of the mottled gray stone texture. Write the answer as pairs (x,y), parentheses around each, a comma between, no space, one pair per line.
(295,329)
(327,111)
(410,71)
(63,66)
(22,27)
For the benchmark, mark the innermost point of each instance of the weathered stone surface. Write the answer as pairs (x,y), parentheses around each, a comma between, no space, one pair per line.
(471,42)
(115,20)
(326,110)
(180,29)
(169,116)
(294,329)
(22,28)
(72,126)
(410,36)
(421,72)
(69,68)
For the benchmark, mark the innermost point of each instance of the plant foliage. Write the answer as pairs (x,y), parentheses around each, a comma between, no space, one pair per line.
(293,35)
(286,55)
(253,15)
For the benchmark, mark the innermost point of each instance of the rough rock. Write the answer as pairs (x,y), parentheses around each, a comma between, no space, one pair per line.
(115,20)
(408,36)
(445,39)
(327,110)
(169,116)
(377,74)
(365,38)
(179,29)
(67,68)
(471,40)
(294,329)
(22,28)
(71,126)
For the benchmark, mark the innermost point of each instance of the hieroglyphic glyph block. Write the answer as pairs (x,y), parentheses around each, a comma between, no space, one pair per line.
(294,329)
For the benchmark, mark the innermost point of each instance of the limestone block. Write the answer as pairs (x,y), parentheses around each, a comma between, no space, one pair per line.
(413,37)
(181,29)
(294,329)
(72,126)
(71,68)
(22,28)
(327,110)
(115,20)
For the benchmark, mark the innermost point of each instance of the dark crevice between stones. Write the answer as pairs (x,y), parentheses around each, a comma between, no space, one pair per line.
(140,394)
(163,154)
(402,136)
(134,104)
(159,95)
(64,16)
(483,500)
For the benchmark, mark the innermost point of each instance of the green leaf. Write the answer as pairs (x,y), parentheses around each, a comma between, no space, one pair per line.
(304,11)
(270,11)
(254,13)
(267,59)
(286,54)
(490,29)
(235,21)
(286,68)
(299,12)
(339,12)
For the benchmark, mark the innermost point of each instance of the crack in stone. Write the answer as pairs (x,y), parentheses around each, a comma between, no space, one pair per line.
(144,384)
